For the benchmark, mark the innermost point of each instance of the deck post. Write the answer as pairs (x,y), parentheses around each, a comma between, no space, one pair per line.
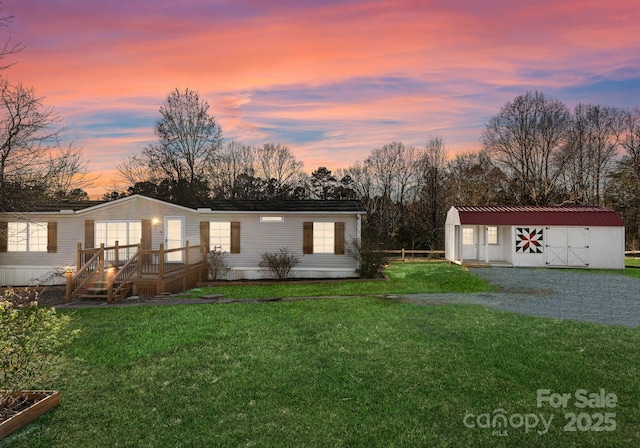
(161,261)
(79,257)
(101,258)
(110,273)
(117,255)
(68,275)
(141,259)
(186,255)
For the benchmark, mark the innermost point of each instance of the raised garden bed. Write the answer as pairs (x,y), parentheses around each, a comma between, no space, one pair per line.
(26,407)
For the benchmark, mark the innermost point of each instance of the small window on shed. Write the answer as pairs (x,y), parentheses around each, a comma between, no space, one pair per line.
(492,235)
(468,238)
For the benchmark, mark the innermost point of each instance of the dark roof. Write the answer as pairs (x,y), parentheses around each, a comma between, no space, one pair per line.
(222,205)
(539,215)
(55,206)
(286,206)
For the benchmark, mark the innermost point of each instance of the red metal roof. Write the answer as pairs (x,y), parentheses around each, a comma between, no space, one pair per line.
(539,215)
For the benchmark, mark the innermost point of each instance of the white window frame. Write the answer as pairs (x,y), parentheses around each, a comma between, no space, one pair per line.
(105,236)
(324,237)
(25,236)
(493,235)
(131,236)
(220,236)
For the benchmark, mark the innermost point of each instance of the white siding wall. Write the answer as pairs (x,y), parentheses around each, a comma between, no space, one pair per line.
(258,237)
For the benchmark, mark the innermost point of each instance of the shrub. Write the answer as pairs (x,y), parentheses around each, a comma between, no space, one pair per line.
(279,265)
(218,268)
(31,339)
(372,262)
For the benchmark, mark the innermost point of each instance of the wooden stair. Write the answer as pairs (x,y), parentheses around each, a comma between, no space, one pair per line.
(97,288)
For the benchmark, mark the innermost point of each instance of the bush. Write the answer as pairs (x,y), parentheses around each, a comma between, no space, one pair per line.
(279,265)
(372,262)
(218,268)
(31,339)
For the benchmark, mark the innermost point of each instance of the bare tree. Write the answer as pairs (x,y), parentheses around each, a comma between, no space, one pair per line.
(8,47)
(234,160)
(279,163)
(32,159)
(526,140)
(590,150)
(189,139)
(473,179)
(624,189)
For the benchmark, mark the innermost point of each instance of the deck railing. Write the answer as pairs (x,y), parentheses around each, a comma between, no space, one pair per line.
(162,262)
(122,263)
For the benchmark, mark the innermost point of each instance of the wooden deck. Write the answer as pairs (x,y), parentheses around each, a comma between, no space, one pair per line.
(115,272)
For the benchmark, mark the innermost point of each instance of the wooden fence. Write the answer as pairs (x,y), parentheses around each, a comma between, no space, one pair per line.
(406,254)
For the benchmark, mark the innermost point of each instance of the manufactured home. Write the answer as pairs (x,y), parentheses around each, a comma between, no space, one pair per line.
(535,236)
(60,238)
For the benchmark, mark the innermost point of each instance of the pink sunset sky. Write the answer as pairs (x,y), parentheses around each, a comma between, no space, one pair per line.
(330,79)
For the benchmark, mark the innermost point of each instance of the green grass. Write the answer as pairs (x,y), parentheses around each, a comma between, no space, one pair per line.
(632,262)
(361,372)
(404,278)
(341,372)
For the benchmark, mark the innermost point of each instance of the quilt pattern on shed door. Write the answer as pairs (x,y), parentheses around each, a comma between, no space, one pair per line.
(529,240)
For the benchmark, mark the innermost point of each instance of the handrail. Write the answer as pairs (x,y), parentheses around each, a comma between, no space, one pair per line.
(83,273)
(128,269)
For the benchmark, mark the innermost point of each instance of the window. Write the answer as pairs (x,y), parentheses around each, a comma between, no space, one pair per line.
(220,236)
(323,237)
(27,237)
(124,232)
(492,235)
(468,237)
(272,219)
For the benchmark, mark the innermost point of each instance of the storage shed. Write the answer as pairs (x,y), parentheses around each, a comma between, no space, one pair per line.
(535,236)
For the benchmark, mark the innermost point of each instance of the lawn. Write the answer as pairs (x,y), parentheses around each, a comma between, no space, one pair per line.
(345,372)
(404,278)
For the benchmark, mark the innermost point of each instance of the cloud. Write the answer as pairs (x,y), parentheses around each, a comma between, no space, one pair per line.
(332,79)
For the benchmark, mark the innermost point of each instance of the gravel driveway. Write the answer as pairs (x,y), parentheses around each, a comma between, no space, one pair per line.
(591,297)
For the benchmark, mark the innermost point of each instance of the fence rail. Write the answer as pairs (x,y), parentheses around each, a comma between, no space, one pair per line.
(632,253)
(404,254)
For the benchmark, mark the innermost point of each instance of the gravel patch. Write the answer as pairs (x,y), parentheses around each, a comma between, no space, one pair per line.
(563,294)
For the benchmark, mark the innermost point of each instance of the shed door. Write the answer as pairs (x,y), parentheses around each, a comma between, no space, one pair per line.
(469,243)
(556,246)
(577,247)
(567,246)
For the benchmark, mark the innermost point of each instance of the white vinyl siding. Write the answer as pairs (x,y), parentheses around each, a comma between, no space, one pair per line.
(220,236)
(323,237)
(27,237)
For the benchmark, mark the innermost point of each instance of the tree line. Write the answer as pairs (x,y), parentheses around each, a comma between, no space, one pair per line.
(535,151)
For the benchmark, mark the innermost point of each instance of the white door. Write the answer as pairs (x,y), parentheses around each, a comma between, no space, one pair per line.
(469,243)
(577,247)
(556,247)
(174,237)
